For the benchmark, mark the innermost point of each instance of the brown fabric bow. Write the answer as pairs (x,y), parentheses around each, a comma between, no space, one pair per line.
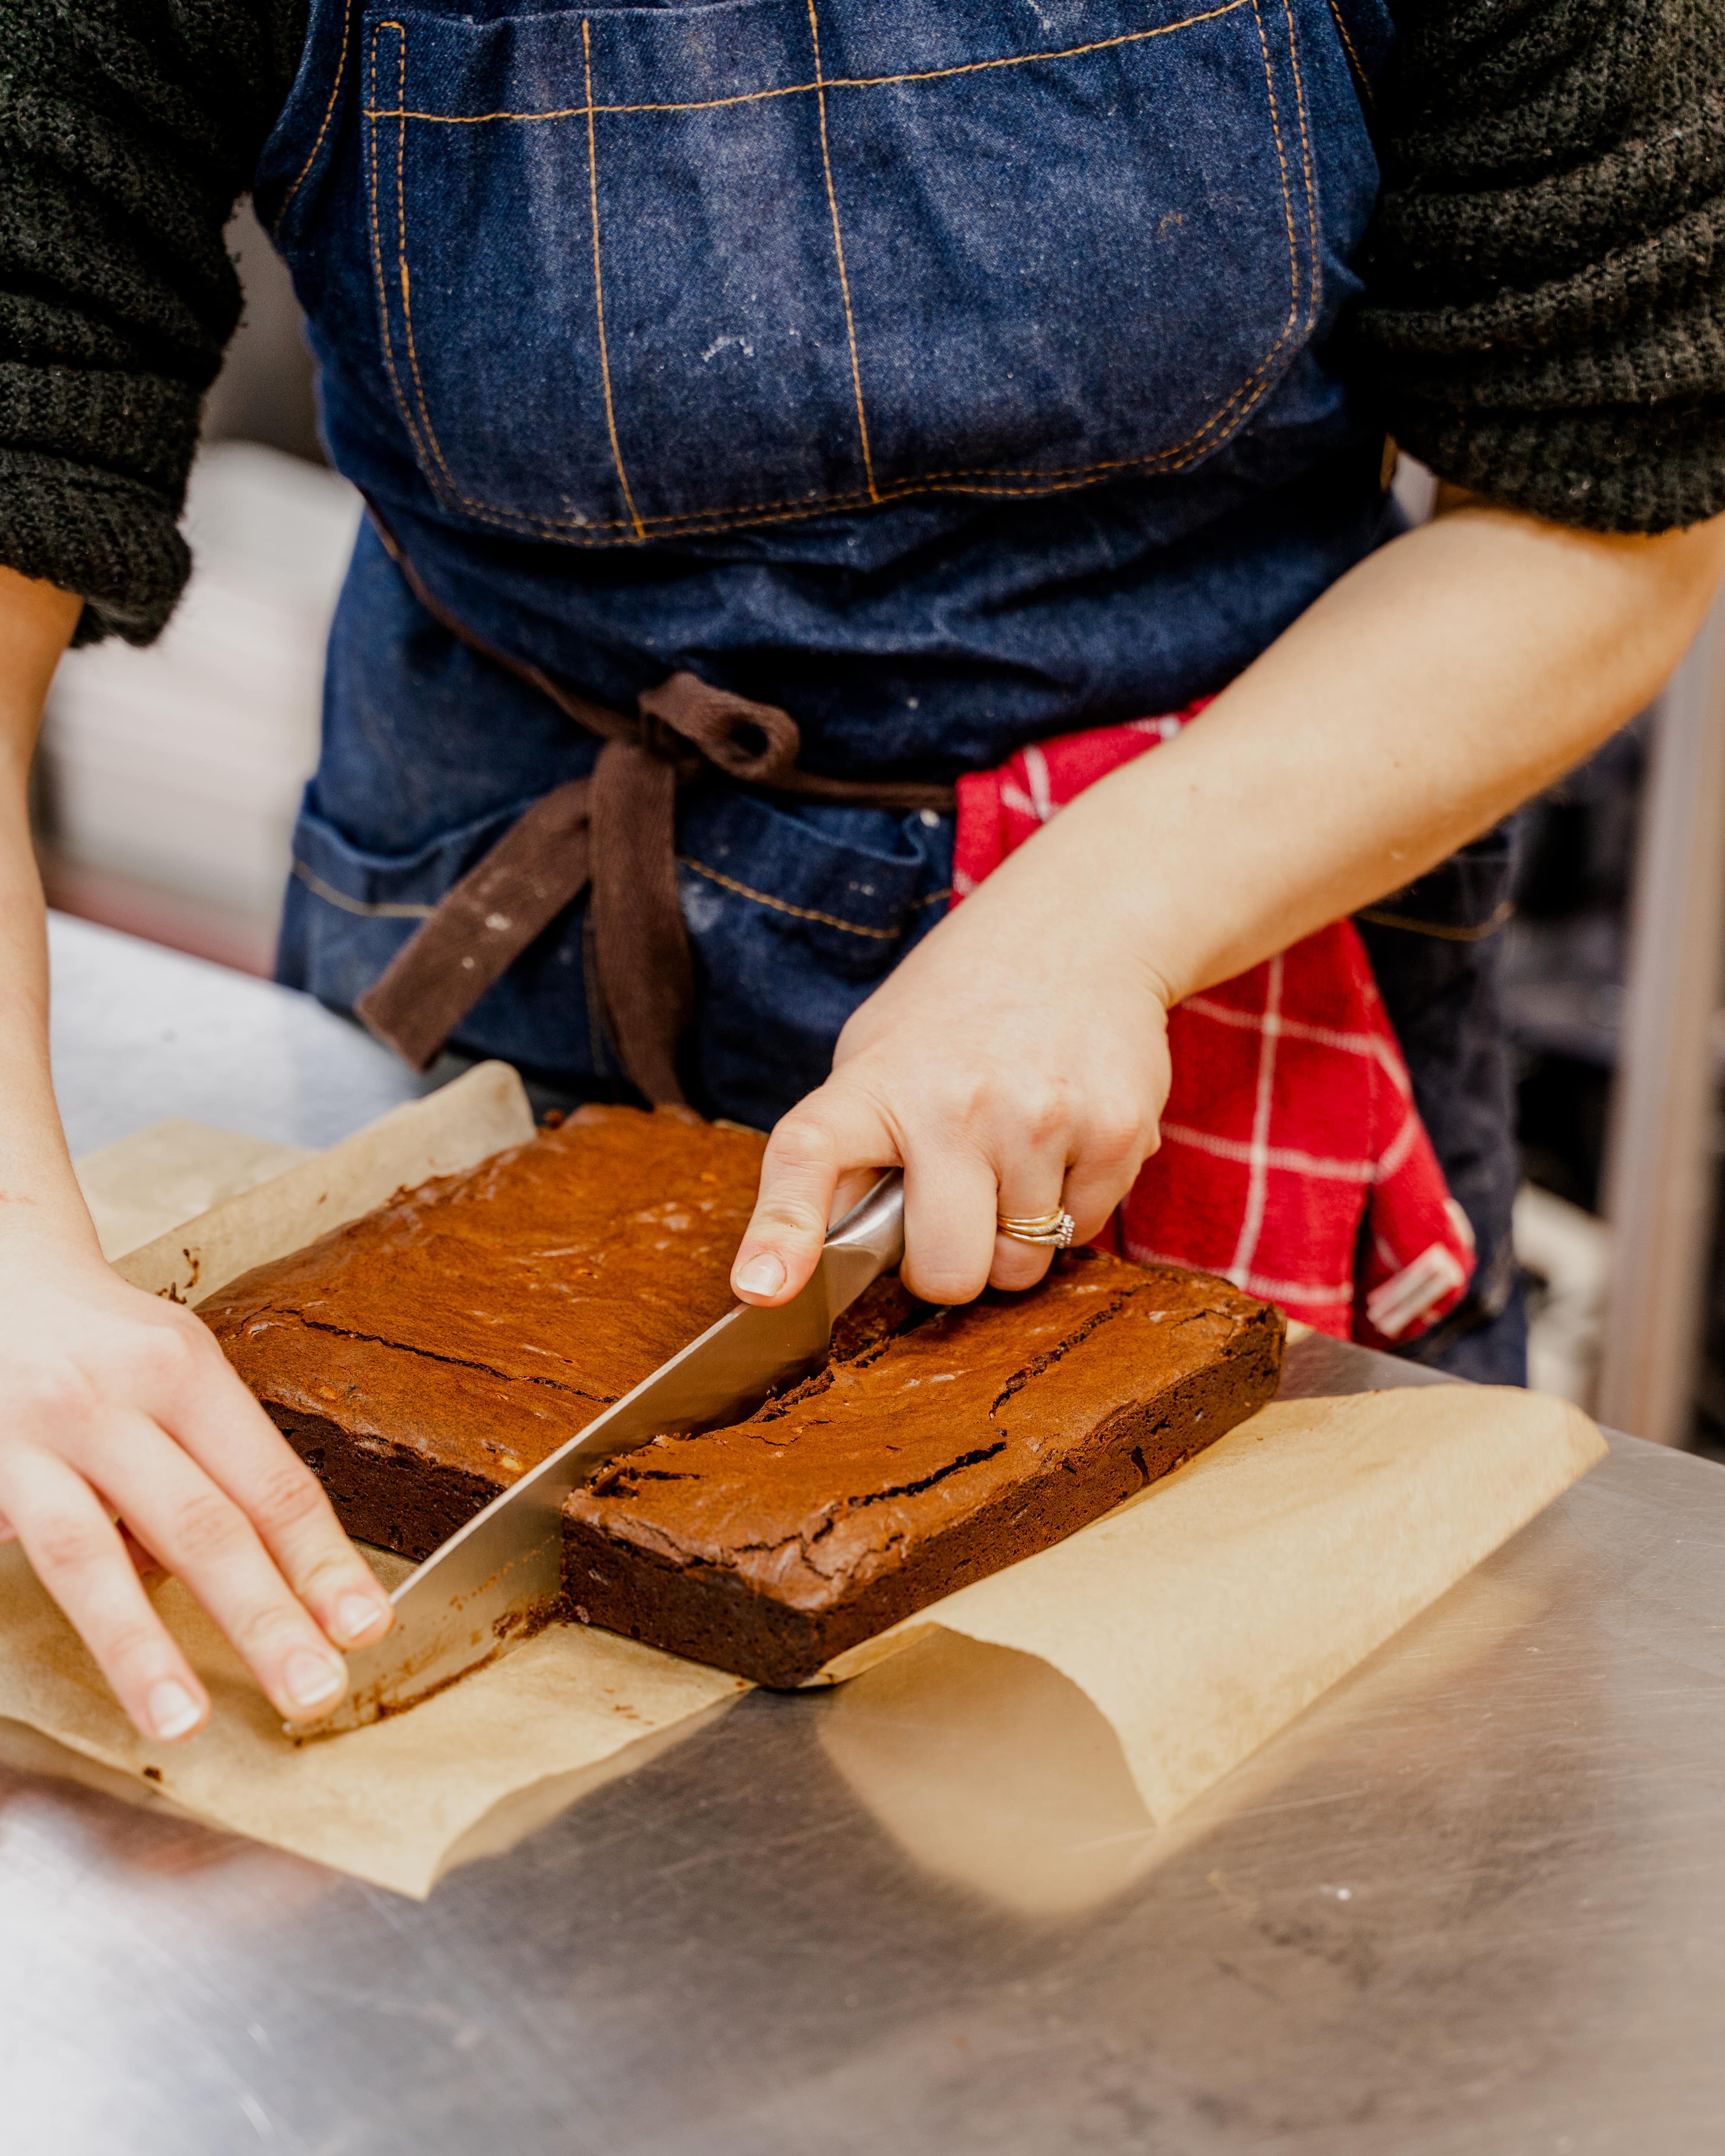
(615,830)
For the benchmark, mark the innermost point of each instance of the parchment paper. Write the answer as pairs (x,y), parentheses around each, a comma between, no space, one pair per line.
(393,1802)
(481,1112)
(160,1178)
(1203,1614)
(1199,1618)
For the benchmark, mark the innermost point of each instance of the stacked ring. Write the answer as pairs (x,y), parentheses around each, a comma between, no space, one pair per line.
(1050,1231)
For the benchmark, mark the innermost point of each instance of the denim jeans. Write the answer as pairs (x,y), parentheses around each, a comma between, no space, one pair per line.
(1436,948)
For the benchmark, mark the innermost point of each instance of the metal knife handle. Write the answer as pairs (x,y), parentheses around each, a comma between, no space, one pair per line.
(870,1240)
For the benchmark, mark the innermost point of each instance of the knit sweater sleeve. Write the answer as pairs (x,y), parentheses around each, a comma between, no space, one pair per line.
(1544,315)
(1543,320)
(128,128)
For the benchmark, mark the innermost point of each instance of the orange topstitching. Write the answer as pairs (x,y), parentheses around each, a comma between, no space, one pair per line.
(583,532)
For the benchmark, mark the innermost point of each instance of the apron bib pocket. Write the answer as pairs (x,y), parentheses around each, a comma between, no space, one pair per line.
(763,260)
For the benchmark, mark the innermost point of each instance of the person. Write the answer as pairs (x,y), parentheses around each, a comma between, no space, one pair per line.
(930,381)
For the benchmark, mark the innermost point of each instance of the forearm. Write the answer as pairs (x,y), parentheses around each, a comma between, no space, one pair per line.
(115,1402)
(37,1187)
(1445,680)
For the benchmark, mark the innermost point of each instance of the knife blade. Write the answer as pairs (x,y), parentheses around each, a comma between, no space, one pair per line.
(496,1579)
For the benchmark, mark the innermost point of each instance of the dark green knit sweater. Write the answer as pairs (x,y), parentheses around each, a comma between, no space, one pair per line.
(1544,318)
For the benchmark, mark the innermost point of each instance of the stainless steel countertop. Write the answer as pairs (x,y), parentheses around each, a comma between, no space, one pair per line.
(1474,1901)
(139,1034)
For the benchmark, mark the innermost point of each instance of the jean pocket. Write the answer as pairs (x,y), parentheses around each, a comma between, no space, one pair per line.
(794,919)
(349,911)
(645,271)
(1465,899)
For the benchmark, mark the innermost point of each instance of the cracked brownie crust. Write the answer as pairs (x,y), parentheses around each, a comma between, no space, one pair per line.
(936,1448)
(421,1359)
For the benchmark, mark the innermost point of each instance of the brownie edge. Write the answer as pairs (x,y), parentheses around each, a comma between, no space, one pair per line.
(768,1549)
(421,1359)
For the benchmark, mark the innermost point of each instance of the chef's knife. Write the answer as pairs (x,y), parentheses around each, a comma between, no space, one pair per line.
(494,1578)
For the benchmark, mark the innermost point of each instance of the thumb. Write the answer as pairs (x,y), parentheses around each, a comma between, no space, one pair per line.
(835,1130)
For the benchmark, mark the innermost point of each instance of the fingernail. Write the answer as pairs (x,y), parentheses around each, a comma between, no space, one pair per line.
(356,1614)
(172,1710)
(763,1275)
(309,1680)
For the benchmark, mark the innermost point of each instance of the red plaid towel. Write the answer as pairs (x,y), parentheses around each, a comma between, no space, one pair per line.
(1293,1160)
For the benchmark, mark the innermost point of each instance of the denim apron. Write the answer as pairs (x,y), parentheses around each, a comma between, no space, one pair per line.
(950,373)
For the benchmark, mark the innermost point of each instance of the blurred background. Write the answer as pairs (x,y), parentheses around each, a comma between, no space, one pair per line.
(168,781)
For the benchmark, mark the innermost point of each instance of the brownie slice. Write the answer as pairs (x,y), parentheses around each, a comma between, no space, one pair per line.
(424,1357)
(929,1453)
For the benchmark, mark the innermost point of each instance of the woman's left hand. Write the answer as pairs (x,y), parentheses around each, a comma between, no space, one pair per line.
(1016,1062)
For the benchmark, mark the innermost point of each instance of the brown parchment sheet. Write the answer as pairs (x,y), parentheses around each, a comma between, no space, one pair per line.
(1205,1613)
(393,1802)
(1197,1619)
(480,1113)
(160,1178)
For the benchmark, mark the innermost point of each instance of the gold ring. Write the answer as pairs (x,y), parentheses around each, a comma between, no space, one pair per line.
(1049,1231)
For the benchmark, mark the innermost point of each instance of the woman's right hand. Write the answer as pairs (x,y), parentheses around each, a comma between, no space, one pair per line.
(117,1409)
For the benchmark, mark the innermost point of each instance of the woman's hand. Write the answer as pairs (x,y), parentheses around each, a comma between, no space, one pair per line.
(1019,1047)
(119,1412)
(119,1416)
(1016,1062)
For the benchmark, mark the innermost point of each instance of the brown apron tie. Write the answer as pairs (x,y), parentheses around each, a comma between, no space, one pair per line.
(617,830)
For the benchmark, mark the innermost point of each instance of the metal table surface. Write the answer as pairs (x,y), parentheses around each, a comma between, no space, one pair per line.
(1473,1901)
